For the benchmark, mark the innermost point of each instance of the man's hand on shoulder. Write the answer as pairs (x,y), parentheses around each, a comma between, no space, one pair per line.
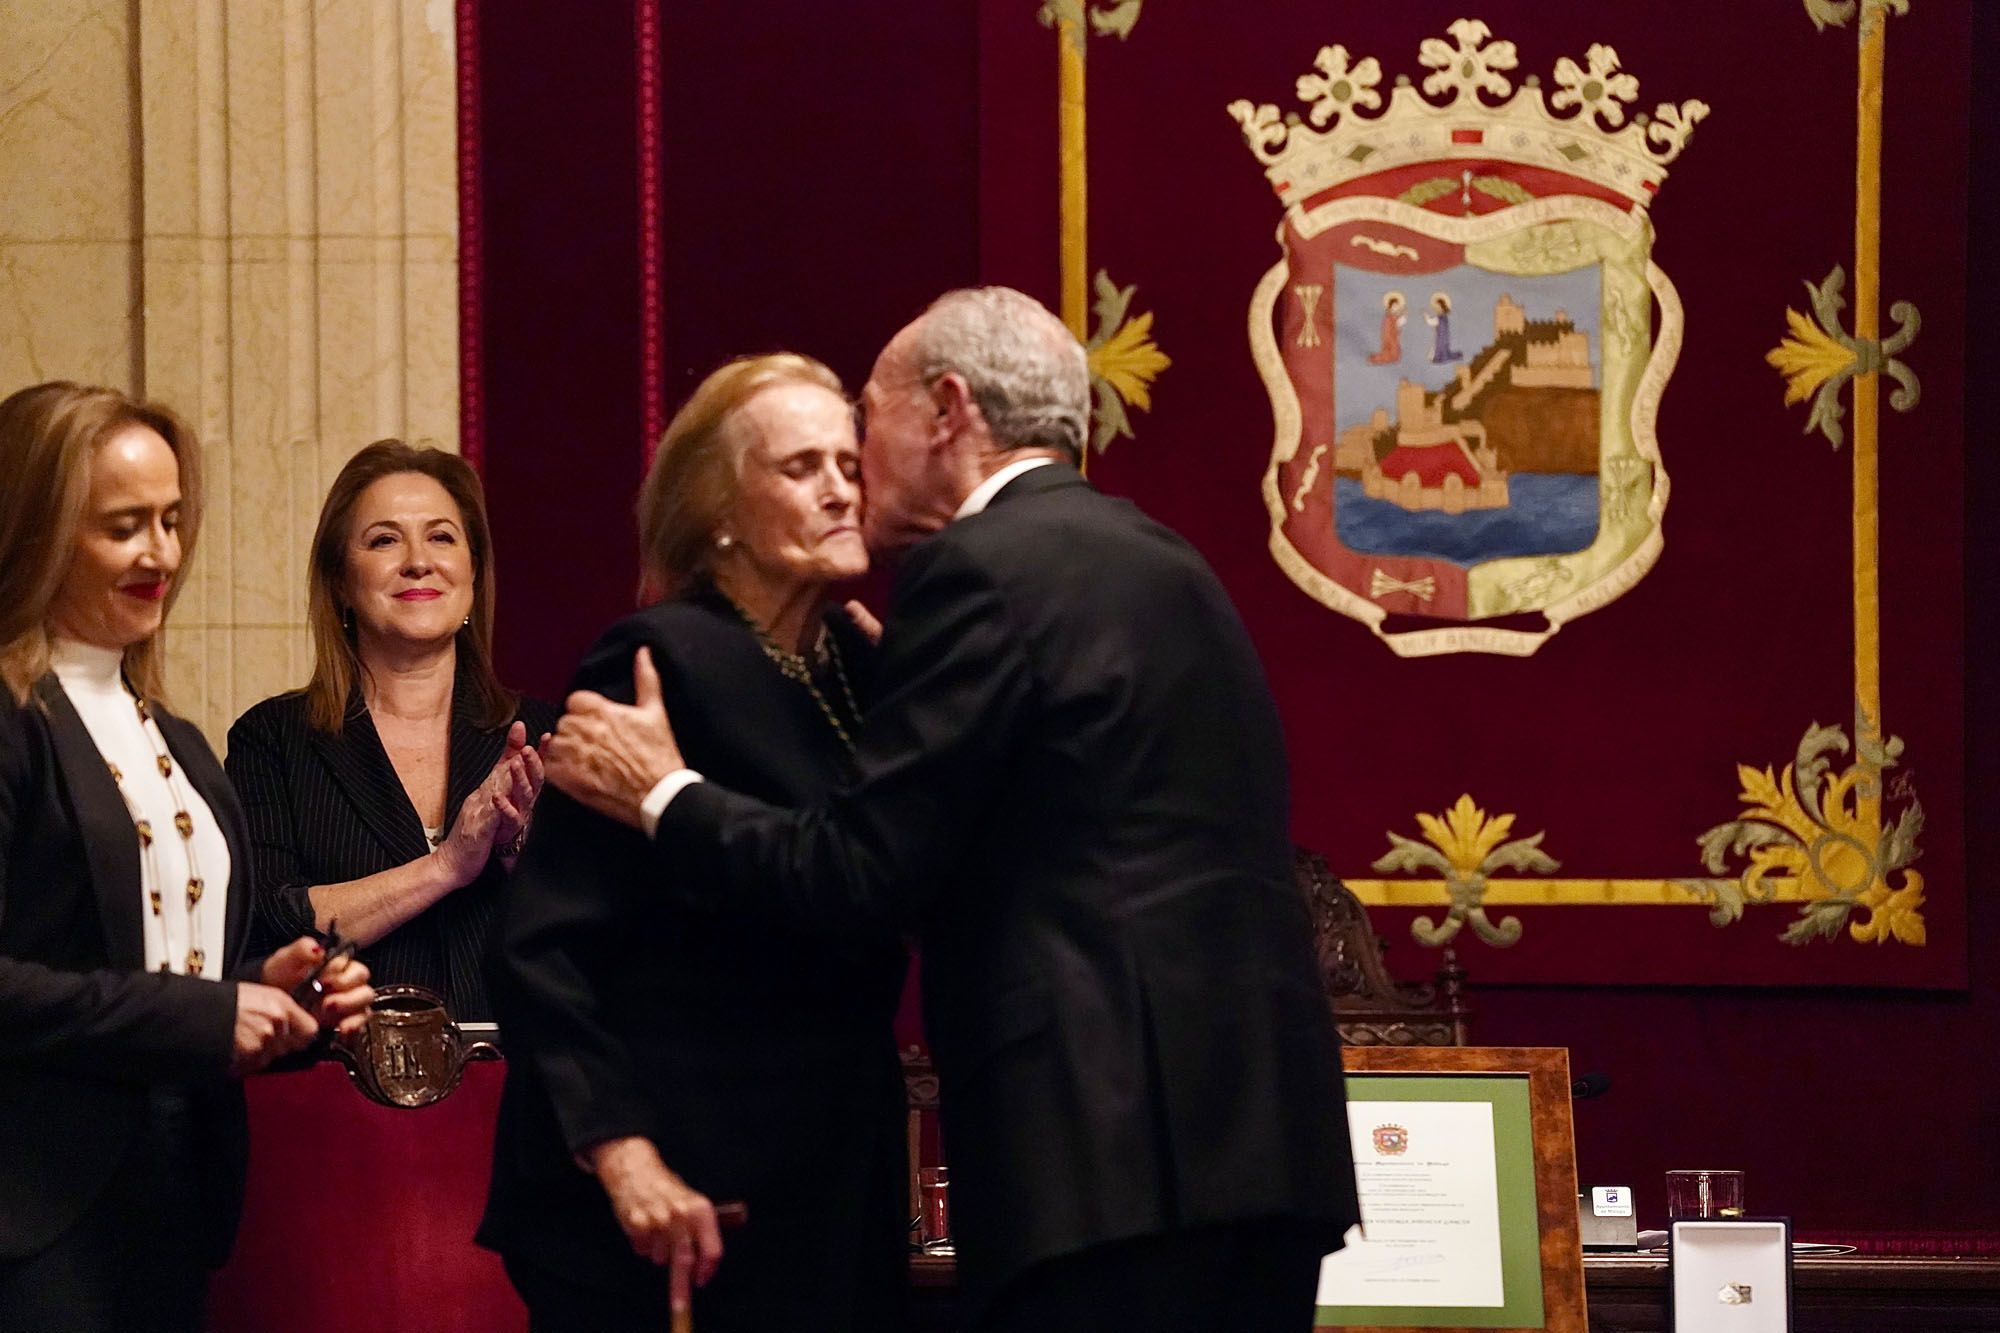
(865,620)
(609,755)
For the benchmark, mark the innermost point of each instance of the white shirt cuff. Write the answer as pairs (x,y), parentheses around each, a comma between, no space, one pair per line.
(655,803)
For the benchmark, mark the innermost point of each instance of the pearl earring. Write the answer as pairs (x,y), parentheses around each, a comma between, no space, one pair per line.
(724,542)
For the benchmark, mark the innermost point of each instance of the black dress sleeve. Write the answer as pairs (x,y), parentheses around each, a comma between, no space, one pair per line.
(282,910)
(562,930)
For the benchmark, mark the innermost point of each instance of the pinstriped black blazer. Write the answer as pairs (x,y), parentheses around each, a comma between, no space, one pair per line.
(326,809)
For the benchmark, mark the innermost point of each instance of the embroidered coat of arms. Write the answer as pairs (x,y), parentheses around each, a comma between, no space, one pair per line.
(1466,341)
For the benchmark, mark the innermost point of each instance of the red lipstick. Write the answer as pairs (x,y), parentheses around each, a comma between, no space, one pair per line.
(418,595)
(146,592)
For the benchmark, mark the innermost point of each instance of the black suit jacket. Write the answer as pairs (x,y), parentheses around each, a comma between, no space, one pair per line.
(85,1030)
(327,809)
(1074,778)
(737,1049)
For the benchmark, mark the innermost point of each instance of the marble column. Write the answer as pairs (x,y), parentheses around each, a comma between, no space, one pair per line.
(299,264)
(69,199)
(246,209)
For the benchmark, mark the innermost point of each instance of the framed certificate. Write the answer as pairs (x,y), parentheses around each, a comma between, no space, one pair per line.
(1467,1170)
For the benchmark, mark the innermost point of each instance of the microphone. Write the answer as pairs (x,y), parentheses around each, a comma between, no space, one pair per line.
(1587,1086)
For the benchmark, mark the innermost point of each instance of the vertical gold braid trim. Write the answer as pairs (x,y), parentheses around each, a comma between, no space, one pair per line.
(1124,360)
(1821,820)
(1867,392)
(1075,197)
(1075,239)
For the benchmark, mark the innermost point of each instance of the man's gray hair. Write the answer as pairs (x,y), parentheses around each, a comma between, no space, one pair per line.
(1026,370)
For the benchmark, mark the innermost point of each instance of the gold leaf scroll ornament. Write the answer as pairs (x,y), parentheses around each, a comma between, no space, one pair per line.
(1835,13)
(1108,18)
(1806,821)
(1123,358)
(1123,362)
(1817,359)
(1465,846)
(1829,832)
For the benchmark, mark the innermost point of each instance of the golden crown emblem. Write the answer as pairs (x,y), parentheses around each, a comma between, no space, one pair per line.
(1467,107)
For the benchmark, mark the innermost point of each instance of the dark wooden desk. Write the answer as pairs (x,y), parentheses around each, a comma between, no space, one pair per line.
(1628,1294)
(1845,1294)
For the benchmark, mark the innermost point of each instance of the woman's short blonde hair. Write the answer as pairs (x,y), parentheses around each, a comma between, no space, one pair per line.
(691,487)
(336,664)
(49,434)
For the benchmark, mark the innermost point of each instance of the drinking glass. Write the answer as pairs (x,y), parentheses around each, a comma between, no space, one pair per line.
(1704,1195)
(934,1209)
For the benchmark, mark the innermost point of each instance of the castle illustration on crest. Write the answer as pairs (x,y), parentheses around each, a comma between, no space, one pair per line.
(1526,402)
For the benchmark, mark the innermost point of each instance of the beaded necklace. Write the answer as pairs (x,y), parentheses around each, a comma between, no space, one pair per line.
(183,825)
(794,667)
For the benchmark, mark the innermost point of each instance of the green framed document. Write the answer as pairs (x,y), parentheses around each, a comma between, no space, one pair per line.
(1466,1162)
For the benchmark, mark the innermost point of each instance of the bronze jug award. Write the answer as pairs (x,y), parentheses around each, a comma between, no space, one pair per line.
(411,1053)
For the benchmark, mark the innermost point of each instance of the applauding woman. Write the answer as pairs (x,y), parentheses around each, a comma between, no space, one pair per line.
(391,794)
(127,1000)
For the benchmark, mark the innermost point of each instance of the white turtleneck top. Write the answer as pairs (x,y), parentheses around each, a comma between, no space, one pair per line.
(93,679)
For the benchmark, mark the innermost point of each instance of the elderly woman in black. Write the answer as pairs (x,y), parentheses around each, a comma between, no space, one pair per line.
(655,1056)
(390,795)
(128,1002)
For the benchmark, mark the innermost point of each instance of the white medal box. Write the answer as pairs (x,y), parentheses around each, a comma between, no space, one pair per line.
(1731,1277)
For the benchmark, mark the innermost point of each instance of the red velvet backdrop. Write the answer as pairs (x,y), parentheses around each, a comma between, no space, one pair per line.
(824,169)
(817,186)
(1621,736)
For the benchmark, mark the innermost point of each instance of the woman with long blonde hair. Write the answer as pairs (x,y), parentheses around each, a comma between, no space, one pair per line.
(129,1002)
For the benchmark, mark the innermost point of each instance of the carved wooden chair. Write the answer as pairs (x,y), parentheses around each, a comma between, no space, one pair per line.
(1370,1007)
(920,1083)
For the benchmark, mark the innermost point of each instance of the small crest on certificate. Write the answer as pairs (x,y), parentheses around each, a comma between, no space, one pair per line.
(1391,1140)
(1466,341)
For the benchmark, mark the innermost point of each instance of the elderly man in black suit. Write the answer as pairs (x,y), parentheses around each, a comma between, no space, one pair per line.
(1073,783)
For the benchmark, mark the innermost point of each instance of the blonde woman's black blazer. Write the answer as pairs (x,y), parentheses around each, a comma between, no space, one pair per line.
(85,1030)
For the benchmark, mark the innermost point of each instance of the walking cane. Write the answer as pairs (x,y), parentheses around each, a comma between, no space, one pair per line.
(728,1216)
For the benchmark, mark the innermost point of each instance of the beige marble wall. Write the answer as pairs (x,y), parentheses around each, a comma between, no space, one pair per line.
(69,219)
(300,267)
(247,209)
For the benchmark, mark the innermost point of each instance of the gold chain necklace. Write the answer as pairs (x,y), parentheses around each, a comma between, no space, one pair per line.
(794,667)
(183,825)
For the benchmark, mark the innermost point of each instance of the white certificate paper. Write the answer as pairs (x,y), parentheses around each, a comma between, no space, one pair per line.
(1430,1209)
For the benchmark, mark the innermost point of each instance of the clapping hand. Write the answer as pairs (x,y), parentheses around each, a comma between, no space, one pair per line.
(515,803)
(495,816)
